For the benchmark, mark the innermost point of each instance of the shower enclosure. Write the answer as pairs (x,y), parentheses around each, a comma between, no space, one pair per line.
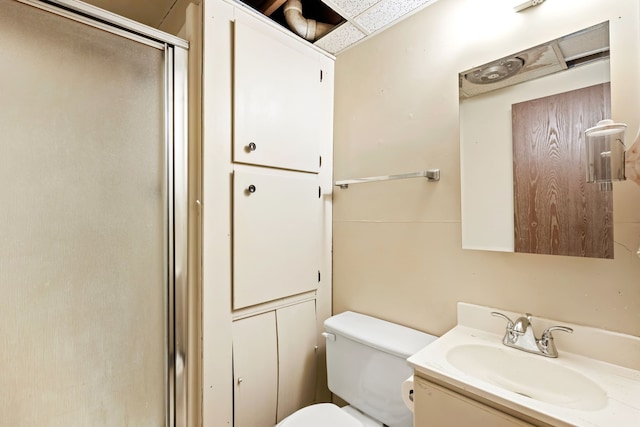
(92,219)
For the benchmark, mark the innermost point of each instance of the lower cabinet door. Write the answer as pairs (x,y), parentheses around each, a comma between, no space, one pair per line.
(274,364)
(435,406)
(297,362)
(255,371)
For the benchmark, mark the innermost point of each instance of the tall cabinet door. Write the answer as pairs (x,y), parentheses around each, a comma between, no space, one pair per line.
(255,371)
(277,235)
(296,357)
(280,105)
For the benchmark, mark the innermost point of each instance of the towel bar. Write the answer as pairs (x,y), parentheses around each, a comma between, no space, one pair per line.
(430,174)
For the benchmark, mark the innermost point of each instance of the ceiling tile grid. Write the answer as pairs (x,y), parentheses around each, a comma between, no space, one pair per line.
(363,18)
(385,12)
(349,9)
(340,38)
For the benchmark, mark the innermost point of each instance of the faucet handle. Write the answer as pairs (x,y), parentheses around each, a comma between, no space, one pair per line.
(509,321)
(546,344)
(547,332)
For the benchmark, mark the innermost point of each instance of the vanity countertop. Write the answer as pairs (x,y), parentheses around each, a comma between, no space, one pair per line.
(611,370)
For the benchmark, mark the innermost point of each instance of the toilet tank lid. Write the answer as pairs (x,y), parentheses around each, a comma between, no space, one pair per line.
(389,337)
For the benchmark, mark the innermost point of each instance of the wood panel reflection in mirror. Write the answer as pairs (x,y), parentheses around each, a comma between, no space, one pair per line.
(555,211)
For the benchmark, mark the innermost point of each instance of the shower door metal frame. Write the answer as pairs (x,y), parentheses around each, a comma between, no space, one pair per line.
(175,186)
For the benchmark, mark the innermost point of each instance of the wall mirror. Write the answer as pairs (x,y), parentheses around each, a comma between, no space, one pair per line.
(522,123)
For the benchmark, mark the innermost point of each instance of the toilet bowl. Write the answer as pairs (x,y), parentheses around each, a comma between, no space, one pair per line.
(366,366)
(328,414)
(320,415)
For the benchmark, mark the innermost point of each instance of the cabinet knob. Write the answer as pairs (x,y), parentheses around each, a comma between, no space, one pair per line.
(240,380)
(251,189)
(251,147)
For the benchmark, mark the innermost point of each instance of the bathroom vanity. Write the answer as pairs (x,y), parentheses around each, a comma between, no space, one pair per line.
(468,377)
(438,406)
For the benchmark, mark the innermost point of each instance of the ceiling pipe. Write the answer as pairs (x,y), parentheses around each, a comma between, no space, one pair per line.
(309,29)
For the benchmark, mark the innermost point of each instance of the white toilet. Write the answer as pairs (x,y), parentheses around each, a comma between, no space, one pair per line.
(366,365)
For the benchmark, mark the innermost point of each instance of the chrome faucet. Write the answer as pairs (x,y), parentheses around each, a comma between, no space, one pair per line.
(520,335)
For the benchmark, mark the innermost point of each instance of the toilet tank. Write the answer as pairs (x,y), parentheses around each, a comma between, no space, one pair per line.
(366,364)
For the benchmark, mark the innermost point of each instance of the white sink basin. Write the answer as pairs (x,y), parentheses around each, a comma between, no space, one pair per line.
(594,382)
(528,375)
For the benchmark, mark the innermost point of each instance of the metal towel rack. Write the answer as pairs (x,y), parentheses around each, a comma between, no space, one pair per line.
(430,174)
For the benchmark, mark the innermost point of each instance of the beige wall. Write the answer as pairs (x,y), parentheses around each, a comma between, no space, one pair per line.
(397,245)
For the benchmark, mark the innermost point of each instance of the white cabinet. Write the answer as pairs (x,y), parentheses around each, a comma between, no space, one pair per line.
(262,251)
(274,364)
(281,125)
(282,122)
(297,358)
(436,406)
(255,359)
(277,234)
(282,100)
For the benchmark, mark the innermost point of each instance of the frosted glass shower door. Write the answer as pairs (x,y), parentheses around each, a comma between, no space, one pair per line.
(84,223)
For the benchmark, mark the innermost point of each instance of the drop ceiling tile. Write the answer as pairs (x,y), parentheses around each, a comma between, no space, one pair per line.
(340,38)
(385,12)
(350,8)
